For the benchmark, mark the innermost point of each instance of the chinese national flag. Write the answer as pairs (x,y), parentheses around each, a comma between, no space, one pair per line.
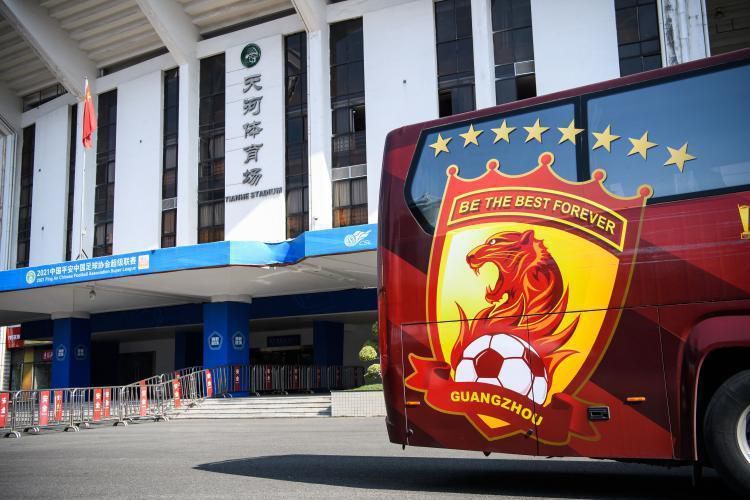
(89,119)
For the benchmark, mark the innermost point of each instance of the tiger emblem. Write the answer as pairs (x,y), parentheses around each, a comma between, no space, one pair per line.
(516,341)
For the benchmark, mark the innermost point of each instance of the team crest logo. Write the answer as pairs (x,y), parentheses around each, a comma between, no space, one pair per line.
(526,277)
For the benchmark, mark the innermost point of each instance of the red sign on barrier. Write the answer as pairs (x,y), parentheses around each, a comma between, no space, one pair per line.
(107,403)
(209,384)
(237,379)
(97,405)
(43,408)
(58,405)
(13,338)
(267,378)
(177,392)
(144,399)
(3,408)
(295,377)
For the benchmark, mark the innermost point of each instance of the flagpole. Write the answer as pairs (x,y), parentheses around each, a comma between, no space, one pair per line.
(81,227)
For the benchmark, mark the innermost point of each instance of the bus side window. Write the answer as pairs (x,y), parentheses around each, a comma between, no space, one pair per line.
(683,137)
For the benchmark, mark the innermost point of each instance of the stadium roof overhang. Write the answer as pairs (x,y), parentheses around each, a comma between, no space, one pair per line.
(316,261)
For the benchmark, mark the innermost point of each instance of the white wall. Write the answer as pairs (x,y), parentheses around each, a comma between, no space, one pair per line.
(50,194)
(575,43)
(163,352)
(400,79)
(138,164)
(260,219)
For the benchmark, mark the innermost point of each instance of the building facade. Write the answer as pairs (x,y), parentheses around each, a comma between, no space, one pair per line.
(230,194)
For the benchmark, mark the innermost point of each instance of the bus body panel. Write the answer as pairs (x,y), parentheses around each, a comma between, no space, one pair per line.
(688,296)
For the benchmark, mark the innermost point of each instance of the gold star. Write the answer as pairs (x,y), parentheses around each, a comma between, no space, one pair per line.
(470,137)
(605,139)
(679,156)
(569,133)
(441,145)
(535,131)
(641,146)
(503,132)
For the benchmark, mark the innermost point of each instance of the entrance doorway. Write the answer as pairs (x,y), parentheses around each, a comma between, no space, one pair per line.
(297,355)
(135,366)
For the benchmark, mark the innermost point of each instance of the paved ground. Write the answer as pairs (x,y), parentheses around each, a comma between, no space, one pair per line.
(312,458)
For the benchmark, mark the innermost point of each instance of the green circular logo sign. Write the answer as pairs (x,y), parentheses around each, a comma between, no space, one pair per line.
(250,55)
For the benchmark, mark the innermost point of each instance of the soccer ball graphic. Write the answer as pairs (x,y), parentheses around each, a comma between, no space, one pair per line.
(505,361)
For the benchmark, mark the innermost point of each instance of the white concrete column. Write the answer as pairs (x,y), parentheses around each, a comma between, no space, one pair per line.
(187,154)
(319,125)
(684,31)
(484,57)
(10,126)
(572,49)
(48,208)
(138,159)
(408,79)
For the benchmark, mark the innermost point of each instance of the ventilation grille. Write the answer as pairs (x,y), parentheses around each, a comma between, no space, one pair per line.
(343,173)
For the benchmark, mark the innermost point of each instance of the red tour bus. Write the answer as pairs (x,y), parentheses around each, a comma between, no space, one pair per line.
(570,275)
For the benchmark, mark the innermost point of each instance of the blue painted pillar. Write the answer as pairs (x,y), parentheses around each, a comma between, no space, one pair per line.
(328,343)
(226,334)
(71,352)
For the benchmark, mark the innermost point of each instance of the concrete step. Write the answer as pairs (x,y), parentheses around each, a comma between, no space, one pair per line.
(258,407)
(245,416)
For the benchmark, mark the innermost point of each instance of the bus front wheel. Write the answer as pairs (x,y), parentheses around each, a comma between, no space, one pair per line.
(726,429)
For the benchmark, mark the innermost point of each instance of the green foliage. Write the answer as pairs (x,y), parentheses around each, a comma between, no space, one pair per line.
(372,375)
(367,387)
(368,353)
(375,331)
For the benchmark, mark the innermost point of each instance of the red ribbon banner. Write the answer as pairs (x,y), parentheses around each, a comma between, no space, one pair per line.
(563,416)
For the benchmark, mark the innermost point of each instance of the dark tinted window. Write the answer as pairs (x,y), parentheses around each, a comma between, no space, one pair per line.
(455,56)
(104,198)
(513,45)
(211,150)
(297,179)
(24,203)
(706,115)
(426,182)
(637,36)
(169,156)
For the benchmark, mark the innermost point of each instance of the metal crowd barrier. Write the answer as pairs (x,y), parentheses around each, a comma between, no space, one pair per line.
(154,398)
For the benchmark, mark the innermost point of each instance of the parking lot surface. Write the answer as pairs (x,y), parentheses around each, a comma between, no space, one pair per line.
(305,458)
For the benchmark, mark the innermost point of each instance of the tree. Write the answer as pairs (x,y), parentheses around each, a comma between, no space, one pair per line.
(368,353)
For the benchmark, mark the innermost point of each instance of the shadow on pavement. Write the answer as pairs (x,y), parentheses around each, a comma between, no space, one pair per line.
(536,478)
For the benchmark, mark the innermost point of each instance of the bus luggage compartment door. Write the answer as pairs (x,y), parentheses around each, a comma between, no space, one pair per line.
(607,395)
(469,387)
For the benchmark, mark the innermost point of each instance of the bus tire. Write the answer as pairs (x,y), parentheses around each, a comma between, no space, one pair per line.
(726,415)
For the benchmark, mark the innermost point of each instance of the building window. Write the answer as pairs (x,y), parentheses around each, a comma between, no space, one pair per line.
(637,36)
(455,56)
(514,50)
(348,145)
(728,25)
(211,162)
(350,202)
(297,180)
(169,159)
(104,201)
(24,204)
(73,127)
(39,97)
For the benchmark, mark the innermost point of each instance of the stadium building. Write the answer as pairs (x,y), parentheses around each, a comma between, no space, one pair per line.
(226,211)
